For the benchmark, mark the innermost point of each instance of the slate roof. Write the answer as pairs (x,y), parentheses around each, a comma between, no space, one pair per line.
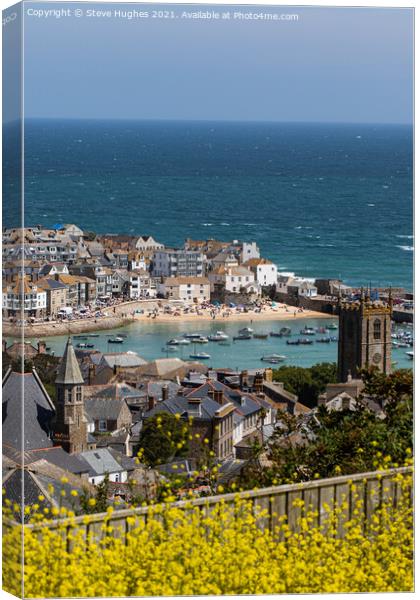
(36,406)
(100,461)
(68,369)
(122,359)
(180,405)
(244,403)
(103,408)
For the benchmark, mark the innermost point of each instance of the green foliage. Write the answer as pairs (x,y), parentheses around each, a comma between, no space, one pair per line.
(97,503)
(306,383)
(163,438)
(346,441)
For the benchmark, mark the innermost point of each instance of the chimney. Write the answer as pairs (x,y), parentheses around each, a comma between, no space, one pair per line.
(151,402)
(243,379)
(180,392)
(349,377)
(218,396)
(42,347)
(268,375)
(165,392)
(91,375)
(258,383)
(57,276)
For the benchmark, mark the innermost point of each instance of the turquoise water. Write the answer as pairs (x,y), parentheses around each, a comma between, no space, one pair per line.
(148,340)
(323,200)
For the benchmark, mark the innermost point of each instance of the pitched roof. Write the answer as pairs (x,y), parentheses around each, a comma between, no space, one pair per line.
(69,370)
(186,280)
(33,431)
(100,461)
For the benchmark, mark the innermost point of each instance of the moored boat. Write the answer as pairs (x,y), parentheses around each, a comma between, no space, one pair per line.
(273,358)
(219,336)
(243,336)
(260,336)
(245,331)
(115,340)
(200,356)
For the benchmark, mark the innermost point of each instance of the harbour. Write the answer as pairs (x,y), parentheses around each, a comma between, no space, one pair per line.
(150,341)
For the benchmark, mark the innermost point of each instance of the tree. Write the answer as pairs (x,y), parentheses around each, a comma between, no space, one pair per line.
(164,437)
(307,383)
(346,441)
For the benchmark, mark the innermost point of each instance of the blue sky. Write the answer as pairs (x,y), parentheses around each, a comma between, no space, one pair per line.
(346,65)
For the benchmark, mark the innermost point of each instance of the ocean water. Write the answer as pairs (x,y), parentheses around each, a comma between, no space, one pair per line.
(149,341)
(322,200)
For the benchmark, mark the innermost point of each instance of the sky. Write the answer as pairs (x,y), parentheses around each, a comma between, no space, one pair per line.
(333,64)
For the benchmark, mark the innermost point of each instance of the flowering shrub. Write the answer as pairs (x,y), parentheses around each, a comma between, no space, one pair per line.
(222,549)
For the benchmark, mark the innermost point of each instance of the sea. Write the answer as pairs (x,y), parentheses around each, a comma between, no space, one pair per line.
(320,200)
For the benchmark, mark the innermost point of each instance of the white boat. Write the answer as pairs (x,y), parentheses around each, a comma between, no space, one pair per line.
(201,340)
(192,336)
(200,356)
(176,342)
(410,354)
(184,342)
(115,340)
(273,358)
(246,331)
(219,336)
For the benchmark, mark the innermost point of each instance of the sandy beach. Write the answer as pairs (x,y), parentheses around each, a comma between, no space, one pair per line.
(154,311)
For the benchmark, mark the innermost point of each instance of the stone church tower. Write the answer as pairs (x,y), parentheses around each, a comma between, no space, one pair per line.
(70,430)
(365,337)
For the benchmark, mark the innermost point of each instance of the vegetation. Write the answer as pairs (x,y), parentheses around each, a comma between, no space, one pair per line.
(163,438)
(342,442)
(225,551)
(307,383)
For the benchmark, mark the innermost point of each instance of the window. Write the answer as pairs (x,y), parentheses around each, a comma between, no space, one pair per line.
(102,425)
(377,329)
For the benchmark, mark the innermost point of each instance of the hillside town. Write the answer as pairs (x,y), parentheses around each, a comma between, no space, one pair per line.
(66,274)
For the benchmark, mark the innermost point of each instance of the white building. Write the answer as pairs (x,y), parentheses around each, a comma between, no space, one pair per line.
(141,285)
(265,271)
(147,243)
(234,279)
(188,289)
(24,299)
(178,263)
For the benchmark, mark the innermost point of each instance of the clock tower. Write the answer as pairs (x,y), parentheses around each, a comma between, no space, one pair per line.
(364,336)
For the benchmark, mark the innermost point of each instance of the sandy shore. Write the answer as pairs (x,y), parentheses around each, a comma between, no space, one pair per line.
(125,314)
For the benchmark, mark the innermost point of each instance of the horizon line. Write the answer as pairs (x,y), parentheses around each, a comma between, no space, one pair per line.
(225,121)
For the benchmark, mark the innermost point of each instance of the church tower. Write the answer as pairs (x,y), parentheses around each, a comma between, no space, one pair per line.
(71,424)
(364,337)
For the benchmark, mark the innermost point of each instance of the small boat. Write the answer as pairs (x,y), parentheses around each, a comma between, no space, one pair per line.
(293,342)
(80,337)
(308,331)
(93,335)
(81,345)
(192,335)
(170,349)
(245,331)
(305,341)
(200,356)
(321,330)
(275,334)
(243,336)
(325,340)
(184,342)
(334,338)
(201,340)
(116,340)
(286,331)
(273,358)
(219,336)
(260,336)
(332,326)
(410,354)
